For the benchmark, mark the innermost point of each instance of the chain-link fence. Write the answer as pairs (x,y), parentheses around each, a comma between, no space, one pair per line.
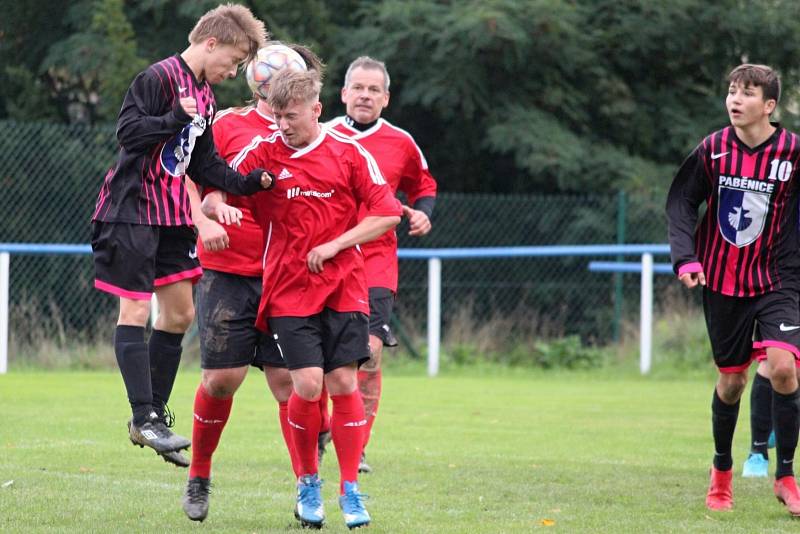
(51,175)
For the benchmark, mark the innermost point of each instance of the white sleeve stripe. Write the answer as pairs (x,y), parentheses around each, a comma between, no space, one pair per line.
(240,157)
(372,165)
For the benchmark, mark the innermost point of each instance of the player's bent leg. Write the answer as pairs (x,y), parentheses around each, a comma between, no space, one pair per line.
(212,407)
(724,413)
(325,426)
(347,423)
(280,385)
(786,410)
(304,417)
(757,463)
(369,383)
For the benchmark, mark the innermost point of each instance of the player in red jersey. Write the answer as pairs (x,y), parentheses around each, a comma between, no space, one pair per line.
(315,299)
(142,237)
(744,255)
(228,297)
(365,95)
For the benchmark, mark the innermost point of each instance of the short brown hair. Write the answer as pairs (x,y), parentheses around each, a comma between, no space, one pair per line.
(231,24)
(762,76)
(293,86)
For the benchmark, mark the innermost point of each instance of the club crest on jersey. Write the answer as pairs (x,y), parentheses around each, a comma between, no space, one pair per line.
(177,152)
(741,215)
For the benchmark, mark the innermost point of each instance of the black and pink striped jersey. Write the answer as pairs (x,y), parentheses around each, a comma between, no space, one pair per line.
(747,240)
(159,143)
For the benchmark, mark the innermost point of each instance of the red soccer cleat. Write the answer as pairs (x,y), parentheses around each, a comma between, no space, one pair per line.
(720,491)
(786,492)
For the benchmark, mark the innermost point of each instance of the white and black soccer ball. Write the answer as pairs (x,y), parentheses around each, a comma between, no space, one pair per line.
(268,61)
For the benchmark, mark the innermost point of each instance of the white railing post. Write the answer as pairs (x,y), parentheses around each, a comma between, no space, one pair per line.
(646,315)
(5,275)
(434,314)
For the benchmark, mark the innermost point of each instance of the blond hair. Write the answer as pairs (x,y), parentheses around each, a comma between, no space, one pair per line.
(231,24)
(290,86)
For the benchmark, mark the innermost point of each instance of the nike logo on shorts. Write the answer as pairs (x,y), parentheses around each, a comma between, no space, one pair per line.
(785,328)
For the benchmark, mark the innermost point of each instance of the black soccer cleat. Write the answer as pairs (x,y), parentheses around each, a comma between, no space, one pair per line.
(175,458)
(322,441)
(195,500)
(363,466)
(155,434)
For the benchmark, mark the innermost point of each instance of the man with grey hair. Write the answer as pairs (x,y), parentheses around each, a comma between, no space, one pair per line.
(366,95)
(314,300)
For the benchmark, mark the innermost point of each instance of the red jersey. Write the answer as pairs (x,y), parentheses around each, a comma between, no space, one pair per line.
(234,130)
(315,199)
(404,167)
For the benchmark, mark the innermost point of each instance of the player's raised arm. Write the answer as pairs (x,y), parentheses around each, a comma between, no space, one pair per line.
(142,123)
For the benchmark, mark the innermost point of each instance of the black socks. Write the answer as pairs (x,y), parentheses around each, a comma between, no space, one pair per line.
(723,424)
(786,420)
(134,364)
(165,356)
(760,414)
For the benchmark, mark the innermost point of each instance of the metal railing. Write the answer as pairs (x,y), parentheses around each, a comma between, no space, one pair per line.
(434,257)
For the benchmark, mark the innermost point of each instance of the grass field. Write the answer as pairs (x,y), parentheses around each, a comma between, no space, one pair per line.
(475,450)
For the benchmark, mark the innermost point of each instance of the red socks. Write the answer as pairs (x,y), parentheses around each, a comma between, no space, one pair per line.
(369,383)
(304,419)
(210,416)
(347,429)
(286,429)
(323,410)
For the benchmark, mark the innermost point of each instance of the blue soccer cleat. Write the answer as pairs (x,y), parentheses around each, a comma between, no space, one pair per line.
(771,440)
(355,515)
(309,510)
(756,466)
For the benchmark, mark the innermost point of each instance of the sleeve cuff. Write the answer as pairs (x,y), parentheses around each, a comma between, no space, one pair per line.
(692,267)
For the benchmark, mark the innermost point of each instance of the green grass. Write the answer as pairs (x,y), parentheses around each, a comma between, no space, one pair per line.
(475,450)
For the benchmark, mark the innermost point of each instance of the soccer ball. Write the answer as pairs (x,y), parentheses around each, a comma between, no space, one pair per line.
(268,61)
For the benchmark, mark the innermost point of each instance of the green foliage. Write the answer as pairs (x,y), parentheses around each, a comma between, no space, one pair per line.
(28,98)
(118,62)
(541,96)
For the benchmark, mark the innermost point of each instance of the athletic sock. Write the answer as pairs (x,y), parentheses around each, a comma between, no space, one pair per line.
(760,414)
(165,357)
(723,424)
(369,384)
(210,416)
(347,431)
(304,418)
(325,425)
(286,430)
(131,352)
(786,420)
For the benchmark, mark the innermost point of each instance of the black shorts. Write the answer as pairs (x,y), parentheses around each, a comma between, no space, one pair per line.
(381,302)
(329,339)
(131,260)
(731,322)
(227,305)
